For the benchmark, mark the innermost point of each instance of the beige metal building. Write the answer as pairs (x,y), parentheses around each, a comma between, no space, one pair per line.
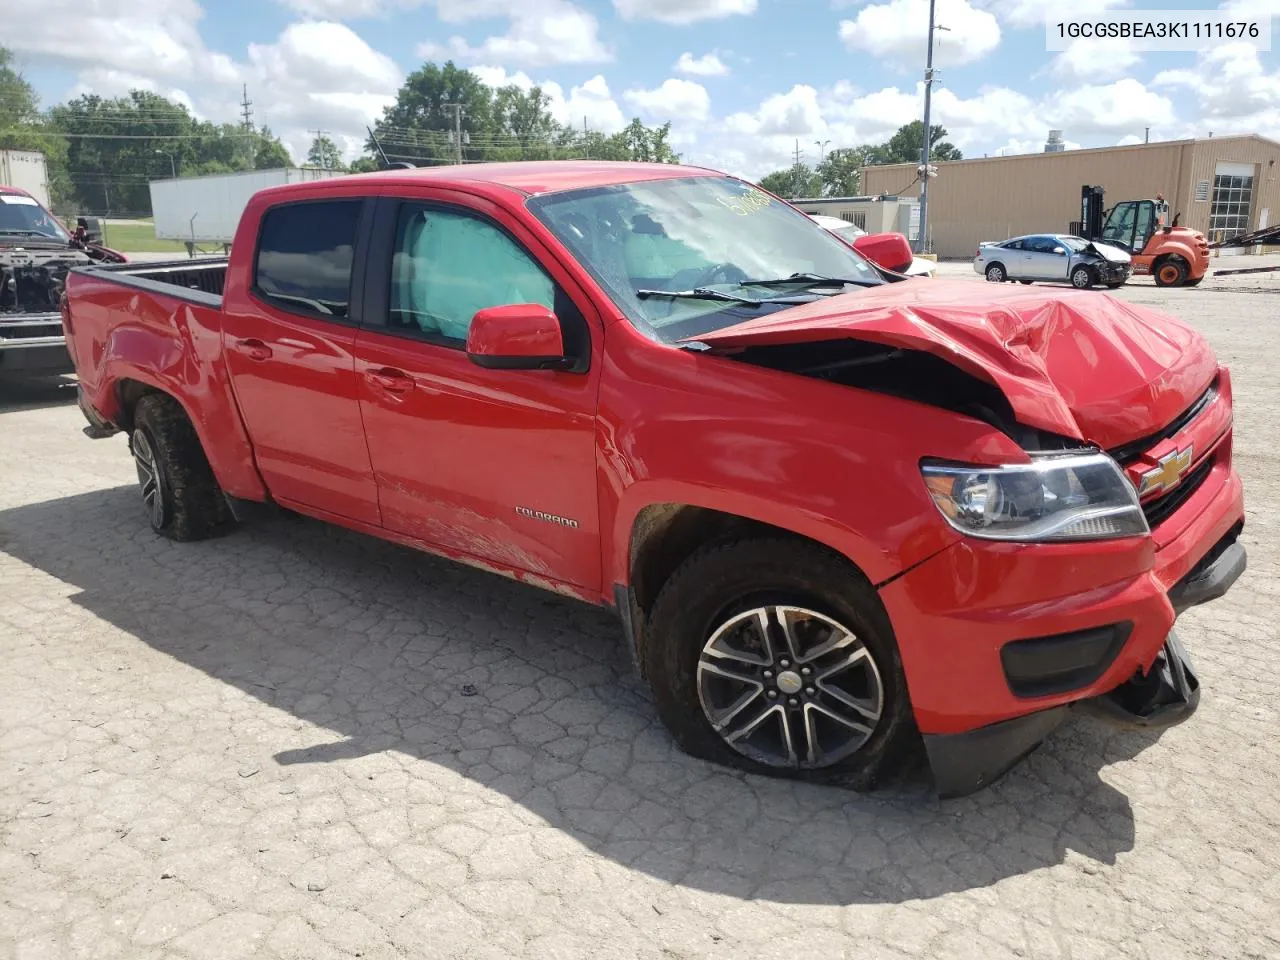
(1222,186)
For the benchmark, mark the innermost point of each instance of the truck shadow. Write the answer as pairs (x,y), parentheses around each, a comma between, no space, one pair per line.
(36,392)
(534,697)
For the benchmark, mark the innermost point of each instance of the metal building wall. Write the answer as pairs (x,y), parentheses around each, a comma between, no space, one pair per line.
(999,197)
(1264,155)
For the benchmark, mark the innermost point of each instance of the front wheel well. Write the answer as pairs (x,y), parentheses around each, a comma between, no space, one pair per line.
(664,535)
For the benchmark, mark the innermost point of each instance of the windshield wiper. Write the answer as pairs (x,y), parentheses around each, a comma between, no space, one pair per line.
(25,233)
(812,279)
(698,293)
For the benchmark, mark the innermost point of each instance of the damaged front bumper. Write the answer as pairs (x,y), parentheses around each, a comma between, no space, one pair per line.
(1163,696)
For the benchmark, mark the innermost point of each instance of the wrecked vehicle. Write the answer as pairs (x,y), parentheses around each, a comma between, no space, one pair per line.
(1055,257)
(36,252)
(834,509)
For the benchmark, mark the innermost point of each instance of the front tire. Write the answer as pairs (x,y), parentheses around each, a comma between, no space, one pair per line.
(996,273)
(775,656)
(181,495)
(1171,273)
(1082,278)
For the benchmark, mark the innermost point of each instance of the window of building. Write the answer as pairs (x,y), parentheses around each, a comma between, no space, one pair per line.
(1232,201)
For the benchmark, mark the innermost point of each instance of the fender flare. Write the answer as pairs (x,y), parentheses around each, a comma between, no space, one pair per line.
(857,549)
(138,353)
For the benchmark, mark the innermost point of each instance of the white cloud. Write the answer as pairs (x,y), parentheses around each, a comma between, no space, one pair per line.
(541,33)
(348,9)
(319,75)
(152,38)
(683,11)
(1232,89)
(1116,108)
(679,101)
(897,31)
(591,101)
(1026,14)
(1095,60)
(707,65)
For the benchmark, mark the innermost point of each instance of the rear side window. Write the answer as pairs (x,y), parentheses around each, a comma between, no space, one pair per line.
(305,252)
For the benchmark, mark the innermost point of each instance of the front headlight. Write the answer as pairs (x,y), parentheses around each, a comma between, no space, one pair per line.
(1056,497)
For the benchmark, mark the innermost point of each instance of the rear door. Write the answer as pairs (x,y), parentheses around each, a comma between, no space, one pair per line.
(497,465)
(289,347)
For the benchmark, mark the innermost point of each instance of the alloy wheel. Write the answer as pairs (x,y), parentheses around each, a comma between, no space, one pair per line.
(144,459)
(788,687)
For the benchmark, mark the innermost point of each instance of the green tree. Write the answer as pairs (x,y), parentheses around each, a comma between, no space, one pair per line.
(269,152)
(795,182)
(24,127)
(325,153)
(420,125)
(841,171)
(117,146)
(906,145)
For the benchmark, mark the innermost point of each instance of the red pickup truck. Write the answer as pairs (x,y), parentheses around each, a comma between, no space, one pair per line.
(836,509)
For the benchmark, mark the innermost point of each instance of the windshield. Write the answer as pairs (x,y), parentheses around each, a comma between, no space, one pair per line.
(703,240)
(1075,244)
(23,216)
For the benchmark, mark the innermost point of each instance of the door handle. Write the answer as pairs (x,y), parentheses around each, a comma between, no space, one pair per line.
(391,380)
(254,349)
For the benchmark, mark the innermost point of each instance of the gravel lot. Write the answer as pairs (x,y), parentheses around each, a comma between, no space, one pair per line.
(297,742)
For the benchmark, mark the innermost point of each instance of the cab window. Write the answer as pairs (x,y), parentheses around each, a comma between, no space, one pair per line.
(448,265)
(305,253)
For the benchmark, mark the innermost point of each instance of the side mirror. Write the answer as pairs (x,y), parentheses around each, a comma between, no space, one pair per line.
(1059,250)
(520,336)
(92,228)
(888,250)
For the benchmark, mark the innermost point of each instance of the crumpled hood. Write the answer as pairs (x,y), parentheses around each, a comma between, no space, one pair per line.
(1107,252)
(1078,363)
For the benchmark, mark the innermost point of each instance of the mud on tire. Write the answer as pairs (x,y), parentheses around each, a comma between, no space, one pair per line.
(725,581)
(173,469)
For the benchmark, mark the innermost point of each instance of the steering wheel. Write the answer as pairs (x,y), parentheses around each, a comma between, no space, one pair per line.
(716,273)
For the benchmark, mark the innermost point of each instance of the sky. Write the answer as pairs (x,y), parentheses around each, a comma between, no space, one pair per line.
(743,82)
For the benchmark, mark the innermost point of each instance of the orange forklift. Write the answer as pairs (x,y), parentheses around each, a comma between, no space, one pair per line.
(1175,256)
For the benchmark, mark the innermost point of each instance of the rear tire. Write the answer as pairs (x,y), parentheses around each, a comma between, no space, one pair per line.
(996,273)
(796,709)
(1170,273)
(181,495)
(1195,282)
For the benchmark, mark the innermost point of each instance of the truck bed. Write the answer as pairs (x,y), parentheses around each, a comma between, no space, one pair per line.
(199,281)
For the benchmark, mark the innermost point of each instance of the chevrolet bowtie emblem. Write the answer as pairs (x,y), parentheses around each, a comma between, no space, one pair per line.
(1166,473)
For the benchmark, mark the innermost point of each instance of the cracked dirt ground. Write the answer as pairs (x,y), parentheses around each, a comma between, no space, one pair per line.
(296,742)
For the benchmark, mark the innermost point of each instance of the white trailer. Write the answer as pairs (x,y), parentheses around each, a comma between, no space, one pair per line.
(26,170)
(207,209)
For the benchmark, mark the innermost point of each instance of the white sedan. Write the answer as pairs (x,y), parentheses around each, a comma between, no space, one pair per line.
(849,232)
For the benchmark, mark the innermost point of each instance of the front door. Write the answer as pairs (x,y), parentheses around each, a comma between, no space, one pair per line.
(288,345)
(1040,260)
(497,465)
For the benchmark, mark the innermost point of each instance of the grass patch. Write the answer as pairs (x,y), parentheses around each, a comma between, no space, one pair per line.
(138,238)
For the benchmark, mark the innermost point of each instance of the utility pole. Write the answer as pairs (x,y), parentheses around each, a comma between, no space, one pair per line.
(822,149)
(797,153)
(921,240)
(246,113)
(1146,138)
(457,127)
